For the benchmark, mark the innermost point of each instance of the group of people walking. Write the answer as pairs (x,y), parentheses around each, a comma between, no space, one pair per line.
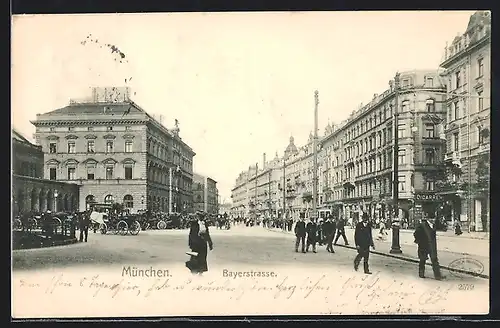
(308,237)
(312,233)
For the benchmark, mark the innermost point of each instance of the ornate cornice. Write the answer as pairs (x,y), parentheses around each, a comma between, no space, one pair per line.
(128,161)
(52,137)
(90,160)
(109,137)
(71,161)
(128,136)
(90,136)
(109,161)
(71,136)
(88,122)
(52,162)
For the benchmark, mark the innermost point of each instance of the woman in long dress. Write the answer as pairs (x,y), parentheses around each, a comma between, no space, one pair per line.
(199,242)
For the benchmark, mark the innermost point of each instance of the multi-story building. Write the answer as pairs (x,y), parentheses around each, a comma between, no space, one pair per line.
(32,193)
(117,152)
(468,78)
(205,194)
(282,185)
(358,153)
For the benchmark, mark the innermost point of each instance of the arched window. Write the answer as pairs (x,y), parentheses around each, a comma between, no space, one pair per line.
(128,201)
(90,199)
(108,199)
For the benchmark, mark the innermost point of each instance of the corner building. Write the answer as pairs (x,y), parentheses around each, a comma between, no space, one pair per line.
(358,153)
(117,152)
(467,74)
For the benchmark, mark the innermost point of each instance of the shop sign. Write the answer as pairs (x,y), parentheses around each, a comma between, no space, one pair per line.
(432,197)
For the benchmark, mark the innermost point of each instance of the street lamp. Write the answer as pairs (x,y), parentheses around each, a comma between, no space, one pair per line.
(55,201)
(395,247)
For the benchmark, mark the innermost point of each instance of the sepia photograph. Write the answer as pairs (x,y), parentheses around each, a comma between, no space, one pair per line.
(250,164)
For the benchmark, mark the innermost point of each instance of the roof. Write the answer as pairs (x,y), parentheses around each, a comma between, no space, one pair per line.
(18,136)
(479,17)
(94,108)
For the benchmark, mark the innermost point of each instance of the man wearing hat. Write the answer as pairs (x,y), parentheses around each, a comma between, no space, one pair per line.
(329,231)
(425,237)
(363,240)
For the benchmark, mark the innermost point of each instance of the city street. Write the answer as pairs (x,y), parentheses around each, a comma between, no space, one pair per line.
(451,247)
(393,288)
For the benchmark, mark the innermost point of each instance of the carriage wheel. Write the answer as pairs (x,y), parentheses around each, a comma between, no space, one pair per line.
(103,228)
(122,228)
(135,228)
(161,225)
(18,224)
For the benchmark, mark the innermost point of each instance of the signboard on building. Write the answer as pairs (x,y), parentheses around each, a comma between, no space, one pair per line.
(110,94)
(428,197)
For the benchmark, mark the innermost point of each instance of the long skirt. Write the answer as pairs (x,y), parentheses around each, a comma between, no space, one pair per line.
(198,264)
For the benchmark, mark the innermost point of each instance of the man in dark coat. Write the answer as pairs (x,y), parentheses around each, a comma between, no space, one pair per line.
(199,237)
(425,237)
(312,235)
(329,231)
(84,225)
(300,234)
(341,231)
(363,240)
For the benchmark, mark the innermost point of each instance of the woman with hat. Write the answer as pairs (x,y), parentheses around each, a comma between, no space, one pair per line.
(199,242)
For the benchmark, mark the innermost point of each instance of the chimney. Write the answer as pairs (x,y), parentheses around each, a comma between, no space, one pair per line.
(264,161)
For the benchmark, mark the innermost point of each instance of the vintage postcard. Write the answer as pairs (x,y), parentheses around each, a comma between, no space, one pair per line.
(257,163)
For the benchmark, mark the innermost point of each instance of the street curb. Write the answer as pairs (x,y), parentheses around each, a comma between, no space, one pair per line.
(407,259)
(53,244)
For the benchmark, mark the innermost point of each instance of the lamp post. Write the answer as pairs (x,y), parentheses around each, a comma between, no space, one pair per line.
(395,247)
(56,194)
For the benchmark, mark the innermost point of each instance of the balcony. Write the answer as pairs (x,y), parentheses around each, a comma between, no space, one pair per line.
(453,157)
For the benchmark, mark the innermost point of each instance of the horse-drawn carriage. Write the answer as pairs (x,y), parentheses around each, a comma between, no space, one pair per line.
(109,220)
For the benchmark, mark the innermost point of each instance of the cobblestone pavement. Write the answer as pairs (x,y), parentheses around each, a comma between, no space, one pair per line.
(236,250)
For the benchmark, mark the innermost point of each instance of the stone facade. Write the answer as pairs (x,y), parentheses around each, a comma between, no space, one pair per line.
(205,194)
(32,193)
(359,151)
(117,152)
(468,76)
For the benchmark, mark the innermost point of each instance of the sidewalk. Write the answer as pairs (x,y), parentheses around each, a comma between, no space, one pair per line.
(451,250)
(451,234)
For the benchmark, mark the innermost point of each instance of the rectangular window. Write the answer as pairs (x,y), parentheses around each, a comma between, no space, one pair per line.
(480,66)
(109,172)
(429,131)
(456,110)
(71,147)
(480,100)
(128,172)
(429,185)
(406,82)
(71,173)
(401,183)
(401,131)
(429,82)
(109,146)
(91,172)
(430,156)
(405,106)
(128,146)
(455,141)
(52,148)
(91,146)
(402,157)
(53,173)
(457,80)
(430,105)
(480,138)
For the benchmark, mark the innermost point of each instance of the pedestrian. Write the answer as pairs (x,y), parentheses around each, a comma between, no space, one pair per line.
(363,240)
(320,238)
(300,235)
(312,234)
(199,237)
(84,227)
(425,238)
(382,233)
(341,231)
(329,231)
(458,228)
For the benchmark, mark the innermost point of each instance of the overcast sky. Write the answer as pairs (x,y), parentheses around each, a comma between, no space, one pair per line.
(240,84)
